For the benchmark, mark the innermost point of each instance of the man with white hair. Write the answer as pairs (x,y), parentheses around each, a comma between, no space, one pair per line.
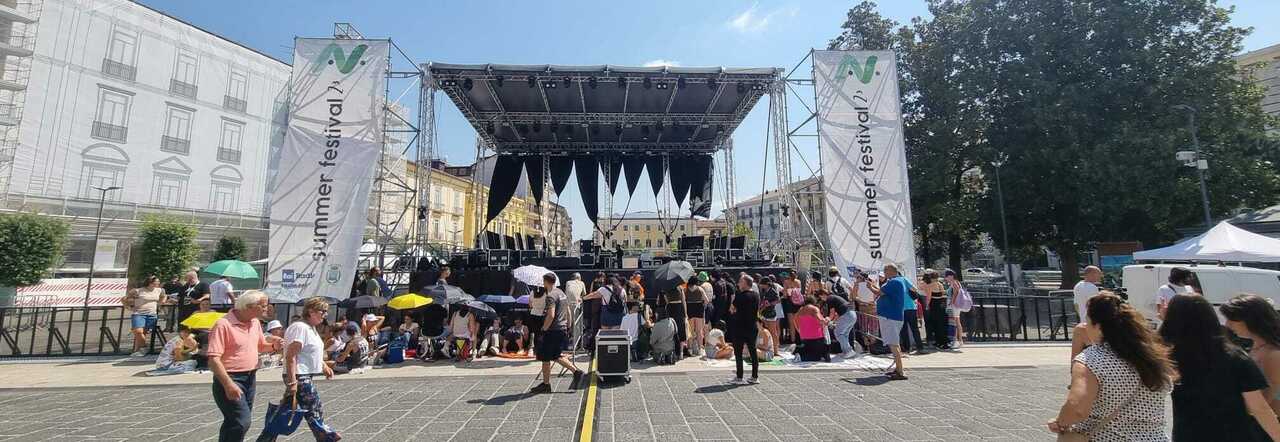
(573,291)
(234,343)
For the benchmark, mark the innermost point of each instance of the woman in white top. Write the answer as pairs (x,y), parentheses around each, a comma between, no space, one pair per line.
(143,302)
(464,327)
(304,358)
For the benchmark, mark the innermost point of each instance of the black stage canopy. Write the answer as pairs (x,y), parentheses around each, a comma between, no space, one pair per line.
(573,110)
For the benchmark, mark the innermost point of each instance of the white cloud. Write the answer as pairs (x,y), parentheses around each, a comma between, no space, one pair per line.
(754,20)
(660,62)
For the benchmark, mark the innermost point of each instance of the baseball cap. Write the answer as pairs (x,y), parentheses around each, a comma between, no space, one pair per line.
(370,317)
(274,324)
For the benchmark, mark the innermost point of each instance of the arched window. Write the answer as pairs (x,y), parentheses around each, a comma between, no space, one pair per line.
(102,165)
(224,189)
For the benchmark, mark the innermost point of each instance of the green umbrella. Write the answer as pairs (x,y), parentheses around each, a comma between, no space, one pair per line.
(232,268)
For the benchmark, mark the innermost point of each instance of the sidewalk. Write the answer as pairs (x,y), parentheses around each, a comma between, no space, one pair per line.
(56,373)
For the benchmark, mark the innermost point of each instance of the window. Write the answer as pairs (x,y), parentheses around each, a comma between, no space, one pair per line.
(237,91)
(112,121)
(457,201)
(648,243)
(185,71)
(229,144)
(121,54)
(102,176)
(222,198)
(177,131)
(648,227)
(624,228)
(169,190)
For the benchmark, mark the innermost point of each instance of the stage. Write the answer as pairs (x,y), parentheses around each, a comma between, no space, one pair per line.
(477,282)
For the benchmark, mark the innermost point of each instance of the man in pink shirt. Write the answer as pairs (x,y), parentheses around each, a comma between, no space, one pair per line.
(234,343)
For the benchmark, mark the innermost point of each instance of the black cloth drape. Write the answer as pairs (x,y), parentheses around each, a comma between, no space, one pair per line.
(632,166)
(654,166)
(588,185)
(533,170)
(701,185)
(502,185)
(615,169)
(680,171)
(561,167)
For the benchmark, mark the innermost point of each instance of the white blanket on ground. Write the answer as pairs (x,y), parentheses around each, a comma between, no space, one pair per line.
(862,362)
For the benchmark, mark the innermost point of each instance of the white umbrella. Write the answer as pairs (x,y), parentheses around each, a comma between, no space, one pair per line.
(532,275)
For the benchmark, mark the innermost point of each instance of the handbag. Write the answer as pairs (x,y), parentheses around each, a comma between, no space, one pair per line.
(284,421)
(1071,436)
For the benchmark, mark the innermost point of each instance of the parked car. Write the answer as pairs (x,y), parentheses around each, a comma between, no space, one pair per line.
(1219,282)
(979,274)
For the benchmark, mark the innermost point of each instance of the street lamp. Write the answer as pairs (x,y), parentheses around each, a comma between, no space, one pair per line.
(93,257)
(1000,160)
(1198,162)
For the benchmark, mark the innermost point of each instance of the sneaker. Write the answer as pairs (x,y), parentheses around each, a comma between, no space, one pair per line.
(737,381)
(540,388)
(137,354)
(850,354)
(753,380)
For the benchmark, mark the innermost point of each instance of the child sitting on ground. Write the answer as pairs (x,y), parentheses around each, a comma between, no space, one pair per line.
(176,356)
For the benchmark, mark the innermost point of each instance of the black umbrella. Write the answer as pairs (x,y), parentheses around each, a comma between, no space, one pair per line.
(671,274)
(459,298)
(363,302)
(480,309)
(445,294)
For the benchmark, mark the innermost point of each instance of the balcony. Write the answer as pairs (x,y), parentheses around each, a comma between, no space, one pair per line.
(228,155)
(10,85)
(119,70)
(182,89)
(16,14)
(233,103)
(110,132)
(175,145)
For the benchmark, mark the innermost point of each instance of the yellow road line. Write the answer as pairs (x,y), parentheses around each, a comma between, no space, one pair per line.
(587,430)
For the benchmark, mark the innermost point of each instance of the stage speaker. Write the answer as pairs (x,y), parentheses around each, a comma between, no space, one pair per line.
(586,246)
(695,258)
(738,242)
(697,242)
(528,257)
(587,260)
(554,263)
(477,258)
(499,258)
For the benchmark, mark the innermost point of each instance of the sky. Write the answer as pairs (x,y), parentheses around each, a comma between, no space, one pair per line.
(592,32)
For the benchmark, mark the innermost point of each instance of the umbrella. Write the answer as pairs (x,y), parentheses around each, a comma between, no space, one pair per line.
(365,301)
(497,299)
(480,308)
(672,274)
(202,321)
(327,299)
(523,300)
(532,275)
(444,293)
(460,298)
(409,301)
(232,268)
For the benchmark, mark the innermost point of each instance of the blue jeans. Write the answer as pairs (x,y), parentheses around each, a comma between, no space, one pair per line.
(145,322)
(844,325)
(308,400)
(236,415)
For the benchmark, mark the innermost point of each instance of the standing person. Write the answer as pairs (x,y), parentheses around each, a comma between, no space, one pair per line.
(192,292)
(890,305)
(574,289)
(674,306)
(953,311)
(723,291)
(771,308)
(1177,285)
(708,302)
(222,294)
(1220,393)
(1085,289)
(304,359)
(143,304)
(935,317)
(1253,317)
(839,311)
(792,300)
(372,283)
(613,303)
(911,322)
(742,328)
(553,328)
(537,304)
(234,343)
(443,278)
(1118,384)
(172,290)
(695,305)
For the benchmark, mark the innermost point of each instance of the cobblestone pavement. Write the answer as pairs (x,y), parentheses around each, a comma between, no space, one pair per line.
(936,404)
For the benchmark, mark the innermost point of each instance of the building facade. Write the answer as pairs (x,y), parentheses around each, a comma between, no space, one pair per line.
(1263,65)
(648,232)
(765,215)
(183,122)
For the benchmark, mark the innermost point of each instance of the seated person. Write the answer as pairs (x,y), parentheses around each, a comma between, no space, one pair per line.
(275,358)
(354,350)
(371,327)
(764,342)
(717,348)
(407,326)
(435,332)
(514,336)
(177,353)
(491,339)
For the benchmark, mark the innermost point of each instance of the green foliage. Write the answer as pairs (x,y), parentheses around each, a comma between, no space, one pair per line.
(30,245)
(741,229)
(167,248)
(230,247)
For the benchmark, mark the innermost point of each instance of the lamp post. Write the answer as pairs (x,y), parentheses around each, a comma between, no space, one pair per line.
(93,257)
(1200,164)
(999,161)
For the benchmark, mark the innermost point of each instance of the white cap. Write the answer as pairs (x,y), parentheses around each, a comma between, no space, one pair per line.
(370,317)
(274,324)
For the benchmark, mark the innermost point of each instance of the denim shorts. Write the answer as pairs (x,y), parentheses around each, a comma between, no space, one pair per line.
(145,322)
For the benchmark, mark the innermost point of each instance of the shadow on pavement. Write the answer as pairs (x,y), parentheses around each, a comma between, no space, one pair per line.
(869,381)
(717,388)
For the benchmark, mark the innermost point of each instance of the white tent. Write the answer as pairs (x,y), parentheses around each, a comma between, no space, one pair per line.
(1224,242)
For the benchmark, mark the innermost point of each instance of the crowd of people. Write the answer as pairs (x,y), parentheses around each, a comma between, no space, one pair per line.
(1123,370)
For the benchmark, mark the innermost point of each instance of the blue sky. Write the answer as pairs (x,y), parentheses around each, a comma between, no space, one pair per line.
(687,33)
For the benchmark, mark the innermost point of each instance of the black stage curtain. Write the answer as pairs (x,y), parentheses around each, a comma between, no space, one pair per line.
(533,170)
(561,167)
(509,243)
(680,176)
(502,185)
(529,244)
(632,166)
(615,169)
(588,185)
(493,239)
(654,166)
(701,185)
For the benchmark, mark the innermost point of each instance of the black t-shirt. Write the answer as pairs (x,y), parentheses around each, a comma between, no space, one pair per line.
(192,292)
(1208,404)
(745,304)
(838,304)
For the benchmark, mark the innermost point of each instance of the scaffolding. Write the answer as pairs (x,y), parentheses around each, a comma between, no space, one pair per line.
(18,28)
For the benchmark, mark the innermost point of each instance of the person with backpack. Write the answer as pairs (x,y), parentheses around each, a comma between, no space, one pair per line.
(613,303)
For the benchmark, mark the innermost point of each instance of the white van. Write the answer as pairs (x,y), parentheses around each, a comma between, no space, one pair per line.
(1220,283)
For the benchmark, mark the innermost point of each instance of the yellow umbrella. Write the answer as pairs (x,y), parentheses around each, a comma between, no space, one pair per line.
(408,301)
(202,320)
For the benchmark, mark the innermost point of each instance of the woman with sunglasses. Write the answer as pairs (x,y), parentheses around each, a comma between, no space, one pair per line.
(304,358)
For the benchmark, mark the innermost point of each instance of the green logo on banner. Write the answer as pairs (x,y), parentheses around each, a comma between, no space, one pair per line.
(334,55)
(849,66)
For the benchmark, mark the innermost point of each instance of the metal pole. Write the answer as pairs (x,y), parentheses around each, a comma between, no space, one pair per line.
(1195,143)
(93,256)
(1004,228)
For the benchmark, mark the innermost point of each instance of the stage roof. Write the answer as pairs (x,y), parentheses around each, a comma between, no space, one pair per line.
(568,110)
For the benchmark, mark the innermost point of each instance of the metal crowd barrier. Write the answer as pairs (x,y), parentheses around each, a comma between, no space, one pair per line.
(1019,318)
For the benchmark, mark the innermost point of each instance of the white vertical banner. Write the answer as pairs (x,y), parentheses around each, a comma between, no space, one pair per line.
(864,160)
(104,254)
(320,196)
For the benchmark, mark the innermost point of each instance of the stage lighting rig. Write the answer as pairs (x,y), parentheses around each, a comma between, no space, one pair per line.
(648,84)
(662,85)
(568,82)
(742,88)
(550,84)
(591,82)
(757,86)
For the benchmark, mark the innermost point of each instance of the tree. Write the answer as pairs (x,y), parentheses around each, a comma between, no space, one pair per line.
(230,247)
(742,229)
(168,248)
(30,246)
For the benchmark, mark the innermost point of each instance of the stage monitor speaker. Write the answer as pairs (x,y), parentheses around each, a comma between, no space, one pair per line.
(528,256)
(736,254)
(554,263)
(697,258)
(586,246)
(697,242)
(587,260)
(738,242)
(477,258)
(499,258)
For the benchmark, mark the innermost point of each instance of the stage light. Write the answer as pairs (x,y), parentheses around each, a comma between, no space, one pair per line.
(680,83)
(622,82)
(757,87)
(742,88)
(647,83)
(498,80)
(567,82)
(467,83)
(719,129)
(533,82)
(591,82)
(551,84)
(662,85)
(537,127)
